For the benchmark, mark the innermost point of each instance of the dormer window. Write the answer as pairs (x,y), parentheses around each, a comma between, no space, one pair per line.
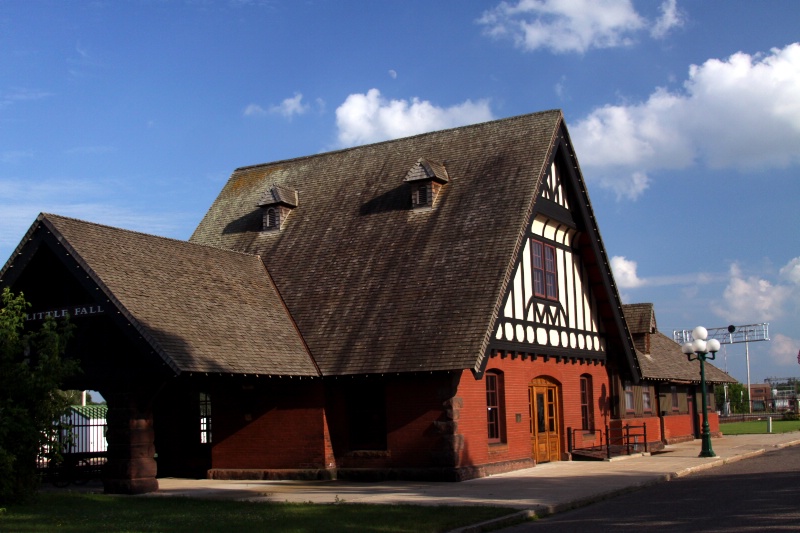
(426,179)
(272,219)
(420,195)
(276,204)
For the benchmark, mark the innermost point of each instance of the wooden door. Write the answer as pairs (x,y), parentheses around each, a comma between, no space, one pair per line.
(545,414)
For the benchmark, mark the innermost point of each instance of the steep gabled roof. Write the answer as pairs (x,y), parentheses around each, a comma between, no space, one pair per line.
(201,309)
(373,285)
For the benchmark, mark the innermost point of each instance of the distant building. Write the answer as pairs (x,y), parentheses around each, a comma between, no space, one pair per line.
(83,428)
(669,393)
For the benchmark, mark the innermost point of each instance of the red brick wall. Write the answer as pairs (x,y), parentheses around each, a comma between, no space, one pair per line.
(678,428)
(652,427)
(269,426)
(420,422)
(517,375)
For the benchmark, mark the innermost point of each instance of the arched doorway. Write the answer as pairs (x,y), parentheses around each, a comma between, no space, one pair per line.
(545,412)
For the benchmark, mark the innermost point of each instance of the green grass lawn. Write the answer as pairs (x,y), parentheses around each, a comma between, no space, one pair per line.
(81,512)
(759,426)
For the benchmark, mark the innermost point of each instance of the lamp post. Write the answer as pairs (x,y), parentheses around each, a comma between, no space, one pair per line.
(703,351)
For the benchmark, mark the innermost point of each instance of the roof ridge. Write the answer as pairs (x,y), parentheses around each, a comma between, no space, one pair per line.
(379,143)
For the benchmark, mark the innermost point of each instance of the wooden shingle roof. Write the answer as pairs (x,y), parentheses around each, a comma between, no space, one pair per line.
(201,309)
(373,285)
(641,318)
(666,361)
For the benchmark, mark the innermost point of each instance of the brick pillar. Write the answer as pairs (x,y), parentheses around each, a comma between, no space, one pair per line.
(131,467)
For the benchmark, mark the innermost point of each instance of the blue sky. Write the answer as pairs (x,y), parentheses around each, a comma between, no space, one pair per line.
(685,116)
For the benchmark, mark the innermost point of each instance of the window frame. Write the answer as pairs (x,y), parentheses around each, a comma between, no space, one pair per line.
(204,411)
(647,399)
(630,404)
(495,407)
(544,267)
(587,411)
(675,400)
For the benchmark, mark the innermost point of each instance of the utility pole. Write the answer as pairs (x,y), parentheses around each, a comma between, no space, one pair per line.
(731,335)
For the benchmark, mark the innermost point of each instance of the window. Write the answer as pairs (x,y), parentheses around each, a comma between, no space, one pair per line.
(205,418)
(674,390)
(272,218)
(544,270)
(494,406)
(587,416)
(422,194)
(629,405)
(647,399)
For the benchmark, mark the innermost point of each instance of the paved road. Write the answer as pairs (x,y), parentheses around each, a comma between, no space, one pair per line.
(756,494)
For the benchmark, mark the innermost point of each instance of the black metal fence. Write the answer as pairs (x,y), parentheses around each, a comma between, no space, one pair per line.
(79,451)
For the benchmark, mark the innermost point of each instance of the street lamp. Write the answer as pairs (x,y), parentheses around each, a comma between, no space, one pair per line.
(703,351)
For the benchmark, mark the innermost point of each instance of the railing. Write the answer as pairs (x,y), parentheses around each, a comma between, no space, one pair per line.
(618,441)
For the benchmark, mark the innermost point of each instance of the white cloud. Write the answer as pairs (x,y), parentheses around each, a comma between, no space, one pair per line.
(783,350)
(791,271)
(567,25)
(366,118)
(254,110)
(21,200)
(671,17)
(625,273)
(21,95)
(740,113)
(290,106)
(751,299)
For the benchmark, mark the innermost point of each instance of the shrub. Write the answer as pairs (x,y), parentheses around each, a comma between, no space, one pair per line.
(32,367)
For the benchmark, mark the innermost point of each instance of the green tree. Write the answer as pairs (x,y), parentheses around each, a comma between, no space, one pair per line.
(737,395)
(74,397)
(32,367)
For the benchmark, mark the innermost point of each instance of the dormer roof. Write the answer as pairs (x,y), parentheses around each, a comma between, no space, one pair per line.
(425,169)
(279,195)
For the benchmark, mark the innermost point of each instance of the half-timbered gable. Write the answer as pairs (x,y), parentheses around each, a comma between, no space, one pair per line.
(560,301)
(550,308)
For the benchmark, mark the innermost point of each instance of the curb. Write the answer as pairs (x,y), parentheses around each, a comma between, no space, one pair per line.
(543,511)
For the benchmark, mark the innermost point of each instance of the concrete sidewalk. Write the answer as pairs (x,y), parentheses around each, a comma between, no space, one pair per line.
(545,489)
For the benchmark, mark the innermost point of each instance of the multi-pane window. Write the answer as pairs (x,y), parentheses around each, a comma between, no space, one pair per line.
(629,405)
(545,275)
(674,391)
(647,399)
(205,418)
(494,406)
(587,418)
